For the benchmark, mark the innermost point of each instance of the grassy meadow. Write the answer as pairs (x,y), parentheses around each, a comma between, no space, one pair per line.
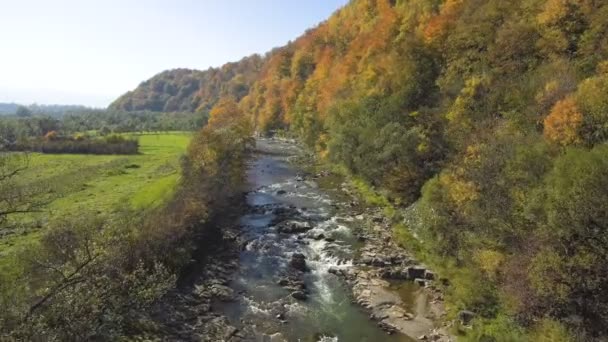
(69,183)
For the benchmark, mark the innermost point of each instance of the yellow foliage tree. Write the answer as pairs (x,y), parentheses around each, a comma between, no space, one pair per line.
(562,125)
(460,192)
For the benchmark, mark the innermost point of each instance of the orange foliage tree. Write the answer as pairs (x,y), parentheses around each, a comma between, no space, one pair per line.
(562,125)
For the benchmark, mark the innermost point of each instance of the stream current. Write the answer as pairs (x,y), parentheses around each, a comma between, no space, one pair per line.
(277,186)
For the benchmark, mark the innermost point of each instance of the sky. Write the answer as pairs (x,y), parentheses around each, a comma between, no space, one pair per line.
(91,51)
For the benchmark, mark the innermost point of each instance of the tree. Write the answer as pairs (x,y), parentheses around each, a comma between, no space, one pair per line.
(23,112)
(592,101)
(569,272)
(14,199)
(563,124)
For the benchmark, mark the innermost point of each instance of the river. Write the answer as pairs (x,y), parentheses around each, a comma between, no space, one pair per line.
(278,190)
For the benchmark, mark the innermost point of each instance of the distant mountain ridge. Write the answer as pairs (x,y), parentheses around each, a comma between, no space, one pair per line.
(8,108)
(53,109)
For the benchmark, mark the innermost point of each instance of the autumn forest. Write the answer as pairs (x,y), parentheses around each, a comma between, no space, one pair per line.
(482,125)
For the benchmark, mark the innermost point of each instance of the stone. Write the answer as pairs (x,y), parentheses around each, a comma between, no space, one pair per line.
(221,292)
(366,260)
(299,295)
(395,312)
(429,275)
(292,227)
(414,272)
(298,262)
(466,316)
(281,192)
(277,337)
(420,281)
(230,331)
(377,219)
(378,262)
(319,236)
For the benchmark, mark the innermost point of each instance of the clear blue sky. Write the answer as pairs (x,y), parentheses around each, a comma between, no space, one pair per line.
(91,51)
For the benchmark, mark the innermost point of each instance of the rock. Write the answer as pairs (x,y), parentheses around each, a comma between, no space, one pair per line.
(378,262)
(319,236)
(221,292)
(423,337)
(293,284)
(280,316)
(420,281)
(366,260)
(434,335)
(298,262)
(299,295)
(414,272)
(429,275)
(292,227)
(330,239)
(299,179)
(377,219)
(395,312)
(285,211)
(466,316)
(277,337)
(230,331)
(389,329)
(399,274)
(281,192)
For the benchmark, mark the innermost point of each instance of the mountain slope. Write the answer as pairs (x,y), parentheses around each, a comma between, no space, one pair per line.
(189,90)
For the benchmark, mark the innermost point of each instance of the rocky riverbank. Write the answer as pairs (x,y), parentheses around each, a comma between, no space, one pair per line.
(379,265)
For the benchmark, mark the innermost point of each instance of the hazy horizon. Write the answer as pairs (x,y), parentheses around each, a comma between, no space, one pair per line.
(72,52)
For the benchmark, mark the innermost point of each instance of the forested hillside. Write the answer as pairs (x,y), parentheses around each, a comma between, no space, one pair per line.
(191,90)
(487,118)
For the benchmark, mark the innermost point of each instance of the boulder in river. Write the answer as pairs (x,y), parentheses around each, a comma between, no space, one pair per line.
(318,236)
(293,227)
(299,295)
(298,261)
(221,292)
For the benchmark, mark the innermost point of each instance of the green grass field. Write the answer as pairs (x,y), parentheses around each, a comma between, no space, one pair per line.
(103,184)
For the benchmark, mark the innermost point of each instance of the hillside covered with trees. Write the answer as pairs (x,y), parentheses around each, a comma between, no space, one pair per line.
(486,119)
(182,90)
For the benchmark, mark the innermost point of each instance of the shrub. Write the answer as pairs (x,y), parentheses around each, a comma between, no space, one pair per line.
(113,144)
